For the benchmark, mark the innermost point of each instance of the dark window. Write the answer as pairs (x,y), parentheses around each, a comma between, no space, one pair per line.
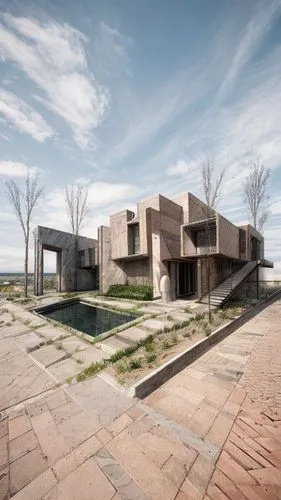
(134,239)
(242,241)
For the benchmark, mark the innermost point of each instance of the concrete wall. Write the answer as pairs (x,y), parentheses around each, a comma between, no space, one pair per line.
(110,272)
(119,233)
(152,202)
(63,244)
(197,209)
(228,238)
(183,201)
(138,272)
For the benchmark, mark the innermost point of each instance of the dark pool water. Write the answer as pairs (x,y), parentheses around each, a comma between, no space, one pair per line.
(88,319)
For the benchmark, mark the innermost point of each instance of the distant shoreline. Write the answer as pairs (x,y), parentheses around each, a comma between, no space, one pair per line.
(22,274)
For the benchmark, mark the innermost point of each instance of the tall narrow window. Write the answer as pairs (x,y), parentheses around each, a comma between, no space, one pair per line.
(134,239)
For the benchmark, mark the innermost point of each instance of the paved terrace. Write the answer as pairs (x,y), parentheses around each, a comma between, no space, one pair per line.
(212,432)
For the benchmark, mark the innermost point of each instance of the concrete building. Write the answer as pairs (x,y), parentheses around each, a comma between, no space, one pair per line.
(164,237)
(75,270)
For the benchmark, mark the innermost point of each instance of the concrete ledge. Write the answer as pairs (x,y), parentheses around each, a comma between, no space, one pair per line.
(159,376)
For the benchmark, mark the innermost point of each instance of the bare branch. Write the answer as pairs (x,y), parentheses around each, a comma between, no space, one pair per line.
(23,203)
(211,187)
(254,190)
(76,206)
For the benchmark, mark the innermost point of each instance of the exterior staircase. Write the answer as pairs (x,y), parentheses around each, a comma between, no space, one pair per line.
(226,289)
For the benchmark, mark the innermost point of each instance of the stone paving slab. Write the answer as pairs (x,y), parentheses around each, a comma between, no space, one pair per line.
(89,355)
(180,317)
(156,324)
(51,333)
(134,335)
(112,345)
(20,379)
(14,329)
(29,341)
(64,369)
(48,355)
(103,401)
(73,344)
(85,481)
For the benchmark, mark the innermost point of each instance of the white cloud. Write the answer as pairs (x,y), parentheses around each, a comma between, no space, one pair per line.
(54,57)
(100,194)
(111,51)
(16,169)
(254,33)
(82,181)
(23,117)
(184,167)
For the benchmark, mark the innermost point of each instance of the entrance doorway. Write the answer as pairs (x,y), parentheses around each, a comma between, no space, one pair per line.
(186,278)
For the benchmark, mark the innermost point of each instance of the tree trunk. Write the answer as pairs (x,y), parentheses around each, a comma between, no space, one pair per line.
(26,265)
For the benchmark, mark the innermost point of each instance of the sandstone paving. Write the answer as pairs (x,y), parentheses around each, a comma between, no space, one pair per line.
(29,341)
(89,355)
(72,344)
(52,333)
(48,355)
(64,368)
(134,334)
(20,379)
(212,431)
(13,329)
(112,344)
(103,401)
(156,324)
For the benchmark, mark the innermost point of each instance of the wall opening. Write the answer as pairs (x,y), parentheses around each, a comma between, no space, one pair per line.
(51,270)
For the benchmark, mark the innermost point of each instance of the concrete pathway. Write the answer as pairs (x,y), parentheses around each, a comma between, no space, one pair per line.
(213,431)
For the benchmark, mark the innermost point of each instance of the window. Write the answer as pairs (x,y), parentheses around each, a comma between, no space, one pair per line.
(134,239)
(242,241)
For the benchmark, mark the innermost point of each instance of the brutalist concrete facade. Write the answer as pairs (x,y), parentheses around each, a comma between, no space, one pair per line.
(164,237)
(75,271)
(173,237)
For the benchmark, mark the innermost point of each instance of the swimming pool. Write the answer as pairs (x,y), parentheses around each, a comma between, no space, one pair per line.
(85,317)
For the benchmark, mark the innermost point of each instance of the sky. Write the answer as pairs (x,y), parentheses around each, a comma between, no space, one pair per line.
(129,98)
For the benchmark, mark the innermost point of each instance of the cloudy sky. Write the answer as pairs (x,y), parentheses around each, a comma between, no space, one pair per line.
(129,97)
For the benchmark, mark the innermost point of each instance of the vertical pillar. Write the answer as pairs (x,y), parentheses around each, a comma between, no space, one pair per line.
(199,279)
(35,277)
(40,268)
(58,270)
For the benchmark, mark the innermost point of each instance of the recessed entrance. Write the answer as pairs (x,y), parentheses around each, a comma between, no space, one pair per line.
(186,278)
(183,277)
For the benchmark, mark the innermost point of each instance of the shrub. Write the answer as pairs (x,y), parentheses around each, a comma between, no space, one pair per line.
(174,338)
(150,347)
(135,292)
(122,366)
(150,358)
(92,369)
(135,363)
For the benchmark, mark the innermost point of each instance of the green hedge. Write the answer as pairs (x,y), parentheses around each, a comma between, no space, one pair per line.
(136,292)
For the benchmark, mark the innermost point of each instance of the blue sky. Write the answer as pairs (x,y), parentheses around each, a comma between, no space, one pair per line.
(131,97)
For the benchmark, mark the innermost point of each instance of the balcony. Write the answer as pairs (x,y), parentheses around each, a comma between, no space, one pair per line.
(199,238)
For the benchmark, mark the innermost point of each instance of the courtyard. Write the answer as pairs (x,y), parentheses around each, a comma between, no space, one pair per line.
(212,431)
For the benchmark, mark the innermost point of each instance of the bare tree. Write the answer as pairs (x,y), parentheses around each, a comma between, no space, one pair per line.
(23,202)
(76,198)
(254,190)
(212,189)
